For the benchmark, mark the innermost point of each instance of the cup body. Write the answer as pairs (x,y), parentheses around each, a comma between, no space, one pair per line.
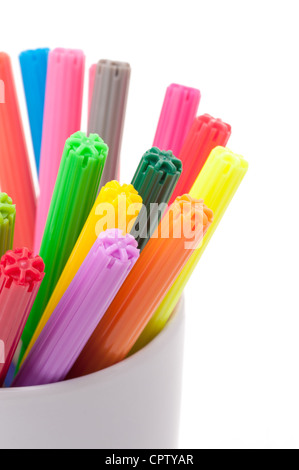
(134,404)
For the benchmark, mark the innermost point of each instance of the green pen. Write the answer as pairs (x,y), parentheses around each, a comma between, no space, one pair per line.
(76,187)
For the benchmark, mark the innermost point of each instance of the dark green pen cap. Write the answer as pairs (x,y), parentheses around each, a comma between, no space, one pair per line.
(155,179)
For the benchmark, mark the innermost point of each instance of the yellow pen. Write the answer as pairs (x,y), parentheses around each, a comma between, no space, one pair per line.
(125,204)
(216,185)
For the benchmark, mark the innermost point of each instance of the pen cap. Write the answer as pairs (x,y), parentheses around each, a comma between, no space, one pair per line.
(220,178)
(187,219)
(178,111)
(15,170)
(7,223)
(119,249)
(116,206)
(34,65)
(205,134)
(217,183)
(82,163)
(157,175)
(107,111)
(21,268)
(155,179)
(62,117)
(74,194)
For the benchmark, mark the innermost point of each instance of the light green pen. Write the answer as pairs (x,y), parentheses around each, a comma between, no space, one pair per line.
(7,223)
(75,190)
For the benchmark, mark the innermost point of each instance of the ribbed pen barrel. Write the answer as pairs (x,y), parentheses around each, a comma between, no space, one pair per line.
(178,234)
(177,114)
(205,134)
(155,179)
(74,194)
(34,65)
(116,206)
(21,274)
(62,117)
(7,223)
(216,184)
(15,171)
(81,308)
(108,109)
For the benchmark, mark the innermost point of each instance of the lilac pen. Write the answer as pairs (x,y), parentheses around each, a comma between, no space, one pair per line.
(79,311)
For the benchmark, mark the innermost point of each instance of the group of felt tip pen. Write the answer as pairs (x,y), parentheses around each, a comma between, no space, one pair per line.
(92,270)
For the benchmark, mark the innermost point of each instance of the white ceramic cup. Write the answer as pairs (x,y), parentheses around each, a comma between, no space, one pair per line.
(134,404)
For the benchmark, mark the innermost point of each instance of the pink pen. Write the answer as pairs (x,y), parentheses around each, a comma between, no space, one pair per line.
(178,112)
(21,274)
(205,134)
(62,118)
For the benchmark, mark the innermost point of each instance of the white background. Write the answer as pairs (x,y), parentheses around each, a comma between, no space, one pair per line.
(241,384)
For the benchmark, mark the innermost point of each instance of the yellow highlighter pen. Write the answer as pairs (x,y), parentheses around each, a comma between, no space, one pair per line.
(216,185)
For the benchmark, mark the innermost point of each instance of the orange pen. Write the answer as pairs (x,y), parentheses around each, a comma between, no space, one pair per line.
(15,172)
(178,235)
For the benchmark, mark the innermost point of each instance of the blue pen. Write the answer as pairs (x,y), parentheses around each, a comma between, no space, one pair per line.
(34,72)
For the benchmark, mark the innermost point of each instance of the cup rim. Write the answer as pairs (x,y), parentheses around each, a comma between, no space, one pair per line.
(105,374)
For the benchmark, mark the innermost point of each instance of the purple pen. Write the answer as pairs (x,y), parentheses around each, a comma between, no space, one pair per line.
(80,309)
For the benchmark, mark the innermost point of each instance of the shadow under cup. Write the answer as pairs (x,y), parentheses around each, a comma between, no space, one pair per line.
(133,404)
